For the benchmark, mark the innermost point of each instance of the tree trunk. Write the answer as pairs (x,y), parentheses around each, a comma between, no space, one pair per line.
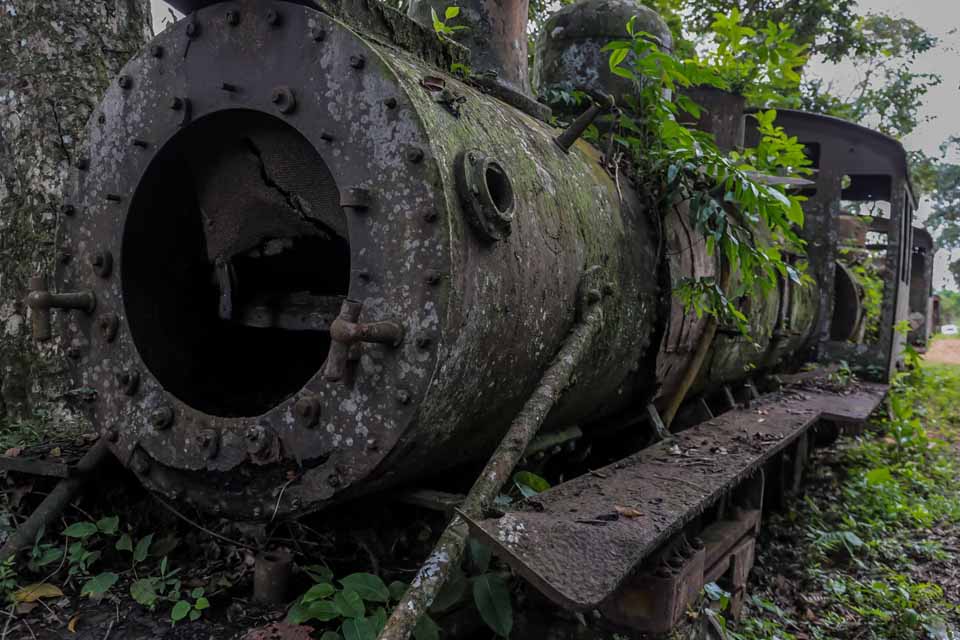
(56,58)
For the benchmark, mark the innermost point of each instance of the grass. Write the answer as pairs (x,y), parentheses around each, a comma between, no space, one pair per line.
(878,531)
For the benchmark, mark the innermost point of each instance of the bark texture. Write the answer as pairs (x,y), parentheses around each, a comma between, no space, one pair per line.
(56,58)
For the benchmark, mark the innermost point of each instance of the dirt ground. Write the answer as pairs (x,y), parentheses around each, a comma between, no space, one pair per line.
(945,351)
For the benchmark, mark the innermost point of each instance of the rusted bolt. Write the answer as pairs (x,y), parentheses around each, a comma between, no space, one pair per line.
(258,439)
(357,62)
(228,87)
(282,97)
(140,464)
(403,397)
(162,418)
(391,103)
(125,82)
(415,155)
(209,441)
(433,278)
(109,324)
(308,410)
(233,18)
(317,34)
(112,434)
(102,118)
(68,209)
(139,142)
(113,197)
(74,352)
(82,164)
(176,103)
(424,342)
(193,29)
(102,263)
(129,382)
(274,18)
(156,51)
(355,198)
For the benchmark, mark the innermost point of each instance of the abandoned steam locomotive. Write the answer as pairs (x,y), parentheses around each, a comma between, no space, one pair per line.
(309,263)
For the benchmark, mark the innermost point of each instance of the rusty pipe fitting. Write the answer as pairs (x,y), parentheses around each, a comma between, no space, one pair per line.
(346,332)
(41,300)
(570,135)
(271,576)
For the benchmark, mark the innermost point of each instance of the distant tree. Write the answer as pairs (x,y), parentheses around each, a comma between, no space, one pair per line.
(949,307)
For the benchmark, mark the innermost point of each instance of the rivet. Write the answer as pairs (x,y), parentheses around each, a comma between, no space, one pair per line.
(140,464)
(102,118)
(308,410)
(284,99)
(112,197)
(229,88)
(433,277)
(68,209)
(233,18)
(403,397)
(209,441)
(257,440)
(176,103)
(355,198)
(193,29)
(125,82)
(83,164)
(156,51)
(162,418)
(109,324)
(317,34)
(391,103)
(102,263)
(138,142)
(415,155)
(357,62)
(274,18)
(424,342)
(326,136)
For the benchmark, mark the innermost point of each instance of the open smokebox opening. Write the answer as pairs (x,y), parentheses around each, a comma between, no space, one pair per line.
(236,257)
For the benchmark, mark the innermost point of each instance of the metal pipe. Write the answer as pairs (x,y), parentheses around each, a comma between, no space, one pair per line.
(56,501)
(40,301)
(449,548)
(570,135)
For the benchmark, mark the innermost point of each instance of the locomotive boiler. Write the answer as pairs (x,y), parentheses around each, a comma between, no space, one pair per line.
(306,262)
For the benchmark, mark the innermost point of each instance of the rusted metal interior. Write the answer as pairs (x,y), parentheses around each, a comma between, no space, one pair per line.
(310,264)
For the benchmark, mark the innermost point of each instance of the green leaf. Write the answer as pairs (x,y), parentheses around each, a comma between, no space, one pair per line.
(194,615)
(319,573)
(124,543)
(349,604)
(318,591)
(358,629)
(180,611)
(80,530)
(451,13)
(368,586)
(196,592)
(49,556)
(144,591)
(109,525)
(397,589)
(201,604)
(618,56)
(530,484)
(479,555)
(142,549)
(492,597)
(451,593)
(426,629)
(331,635)
(879,476)
(97,586)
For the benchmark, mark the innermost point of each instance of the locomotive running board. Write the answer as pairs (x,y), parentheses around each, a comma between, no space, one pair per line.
(579,542)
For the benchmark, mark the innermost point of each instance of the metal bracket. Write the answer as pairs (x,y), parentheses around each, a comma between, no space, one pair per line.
(346,332)
(41,300)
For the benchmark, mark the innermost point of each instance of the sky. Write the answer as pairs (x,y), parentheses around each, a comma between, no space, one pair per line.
(942,104)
